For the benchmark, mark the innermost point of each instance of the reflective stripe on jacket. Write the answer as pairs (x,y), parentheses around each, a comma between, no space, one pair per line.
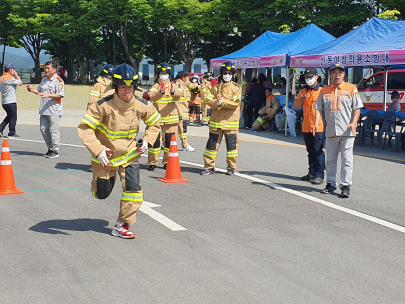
(114,123)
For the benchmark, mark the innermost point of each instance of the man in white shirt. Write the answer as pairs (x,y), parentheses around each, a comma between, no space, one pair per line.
(51,90)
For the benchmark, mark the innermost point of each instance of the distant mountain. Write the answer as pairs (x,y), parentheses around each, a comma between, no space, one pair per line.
(23,62)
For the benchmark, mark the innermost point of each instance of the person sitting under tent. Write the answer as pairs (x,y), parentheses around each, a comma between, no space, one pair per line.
(395,106)
(266,113)
(280,123)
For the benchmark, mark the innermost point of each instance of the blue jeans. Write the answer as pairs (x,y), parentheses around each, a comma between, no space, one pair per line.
(316,155)
(11,118)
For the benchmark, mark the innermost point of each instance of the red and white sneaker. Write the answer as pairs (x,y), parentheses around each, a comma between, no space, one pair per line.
(123,231)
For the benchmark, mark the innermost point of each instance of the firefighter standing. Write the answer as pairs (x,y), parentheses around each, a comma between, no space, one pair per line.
(225,101)
(103,86)
(164,96)
(206,88)
(195,100)
(184,84)
(108,130)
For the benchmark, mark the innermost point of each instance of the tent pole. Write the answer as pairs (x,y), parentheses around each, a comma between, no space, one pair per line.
(287,89)
(385,89)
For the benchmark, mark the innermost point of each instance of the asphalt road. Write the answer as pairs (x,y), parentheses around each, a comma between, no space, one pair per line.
(246,242)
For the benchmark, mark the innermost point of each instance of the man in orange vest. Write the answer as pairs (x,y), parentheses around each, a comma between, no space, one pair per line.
(341,103)
(306,99)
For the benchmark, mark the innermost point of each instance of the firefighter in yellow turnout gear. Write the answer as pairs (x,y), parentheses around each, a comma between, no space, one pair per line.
(267,112)
(195,100)
(164,96)
(183,83)
(109,130)
(206,88)
(103,87)
(225,101)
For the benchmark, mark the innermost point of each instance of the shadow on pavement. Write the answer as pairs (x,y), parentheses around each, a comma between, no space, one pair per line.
(294,187)
(84,224)
(26,153)
(66,166)
(252,173)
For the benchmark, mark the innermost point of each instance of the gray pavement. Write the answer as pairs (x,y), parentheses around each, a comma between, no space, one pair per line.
(245,242)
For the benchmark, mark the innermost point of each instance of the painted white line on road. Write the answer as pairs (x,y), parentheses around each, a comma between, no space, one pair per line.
(291,191)
(146,208)
(41,141)
(314,199)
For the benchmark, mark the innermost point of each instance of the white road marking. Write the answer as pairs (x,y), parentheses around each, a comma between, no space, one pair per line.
(146,208)
(41,141)
(269,184)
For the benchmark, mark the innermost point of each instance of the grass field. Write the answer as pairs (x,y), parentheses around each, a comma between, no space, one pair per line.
(76,97)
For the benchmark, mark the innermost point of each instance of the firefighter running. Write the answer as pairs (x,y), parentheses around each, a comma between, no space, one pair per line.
(225,101)
(109,130)
(206,88)
(183,83)
(103,87)
(164,96)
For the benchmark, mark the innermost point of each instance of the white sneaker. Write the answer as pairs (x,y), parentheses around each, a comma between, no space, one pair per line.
(123,231)
(189,149)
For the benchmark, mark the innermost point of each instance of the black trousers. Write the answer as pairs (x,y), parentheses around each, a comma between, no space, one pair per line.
(316,155)
(11,118)
(252,111)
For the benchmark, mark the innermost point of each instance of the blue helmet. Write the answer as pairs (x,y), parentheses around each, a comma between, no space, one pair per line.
(107,71)
(164,67)
(125,75)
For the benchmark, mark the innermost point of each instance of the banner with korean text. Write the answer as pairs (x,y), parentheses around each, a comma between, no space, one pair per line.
(384,58)
(259,62)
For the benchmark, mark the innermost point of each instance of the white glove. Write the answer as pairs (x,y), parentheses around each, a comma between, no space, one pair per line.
(142,149)
(219,101)
(102,157)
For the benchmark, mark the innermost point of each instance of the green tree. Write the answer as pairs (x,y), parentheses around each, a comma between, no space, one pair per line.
(398,5)
(6,29)
(131,20)
(30,19)
(392,15)
(335,17)
(188,21)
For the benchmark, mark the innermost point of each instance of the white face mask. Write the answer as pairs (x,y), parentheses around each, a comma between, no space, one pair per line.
(310,81)
(394,100)
(227,78)
(194,80)
(164,77)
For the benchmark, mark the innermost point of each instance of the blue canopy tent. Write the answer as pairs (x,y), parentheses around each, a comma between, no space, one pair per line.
(378,42)
(260,43)
(277,50)
(273,49)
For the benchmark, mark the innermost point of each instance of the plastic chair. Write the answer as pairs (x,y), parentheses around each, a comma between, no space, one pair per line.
(387,117)
(362,122)
(391,132)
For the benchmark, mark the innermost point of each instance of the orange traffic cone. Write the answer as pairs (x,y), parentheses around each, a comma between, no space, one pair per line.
(173,172)
(7,185)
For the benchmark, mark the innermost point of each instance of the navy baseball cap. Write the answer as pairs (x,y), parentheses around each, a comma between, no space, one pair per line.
(336,65)
(310,72)
(9,66)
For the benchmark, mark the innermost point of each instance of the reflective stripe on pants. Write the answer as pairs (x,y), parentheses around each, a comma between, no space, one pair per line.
(232,154)
(132,195)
